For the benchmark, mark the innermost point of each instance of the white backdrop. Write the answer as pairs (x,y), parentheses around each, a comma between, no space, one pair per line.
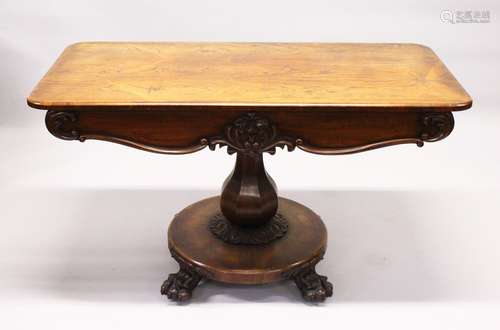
(412,231)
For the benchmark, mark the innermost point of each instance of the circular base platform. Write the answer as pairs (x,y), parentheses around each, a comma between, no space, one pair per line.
(191,241)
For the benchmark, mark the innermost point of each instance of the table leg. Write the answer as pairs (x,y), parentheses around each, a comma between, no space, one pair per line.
(247,236)
(179,286)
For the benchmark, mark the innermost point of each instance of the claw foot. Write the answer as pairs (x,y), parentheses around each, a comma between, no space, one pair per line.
(179,286)
(314,287)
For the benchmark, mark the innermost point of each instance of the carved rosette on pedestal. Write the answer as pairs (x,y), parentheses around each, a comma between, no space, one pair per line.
(223,229)
(249,201)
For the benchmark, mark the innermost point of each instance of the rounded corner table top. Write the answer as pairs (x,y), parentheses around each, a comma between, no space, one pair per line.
(179,98)
(337,76)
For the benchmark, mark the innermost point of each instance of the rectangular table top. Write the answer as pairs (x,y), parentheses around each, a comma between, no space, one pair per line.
(338,76)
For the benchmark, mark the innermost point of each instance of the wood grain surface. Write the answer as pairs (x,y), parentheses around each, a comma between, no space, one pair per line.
(189,237)
(342,77)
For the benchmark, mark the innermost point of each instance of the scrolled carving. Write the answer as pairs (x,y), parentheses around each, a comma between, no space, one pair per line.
(436,126)
(64,125)
(251,134)
(61,124)
(223,229)
(254,134)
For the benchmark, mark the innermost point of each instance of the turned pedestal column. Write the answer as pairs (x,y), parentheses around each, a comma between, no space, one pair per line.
(179,98)
(259,238)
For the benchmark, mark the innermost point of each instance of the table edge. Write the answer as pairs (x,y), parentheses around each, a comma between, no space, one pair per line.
(463,103)
(466,104)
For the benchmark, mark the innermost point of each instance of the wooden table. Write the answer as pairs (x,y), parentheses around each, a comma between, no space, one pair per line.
(178,98)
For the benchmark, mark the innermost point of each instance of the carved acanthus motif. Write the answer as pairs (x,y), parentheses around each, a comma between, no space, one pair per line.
(223,229)
(251,134)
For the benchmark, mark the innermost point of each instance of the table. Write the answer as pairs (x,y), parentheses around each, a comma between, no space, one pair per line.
(252,98)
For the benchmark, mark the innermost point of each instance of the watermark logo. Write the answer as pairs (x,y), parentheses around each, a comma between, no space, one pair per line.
(465,16)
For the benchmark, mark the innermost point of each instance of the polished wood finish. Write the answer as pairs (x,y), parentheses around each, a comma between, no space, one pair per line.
(304,244)
(249,197)
(252,98)
(178,132)
(293,257)
(334,76)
